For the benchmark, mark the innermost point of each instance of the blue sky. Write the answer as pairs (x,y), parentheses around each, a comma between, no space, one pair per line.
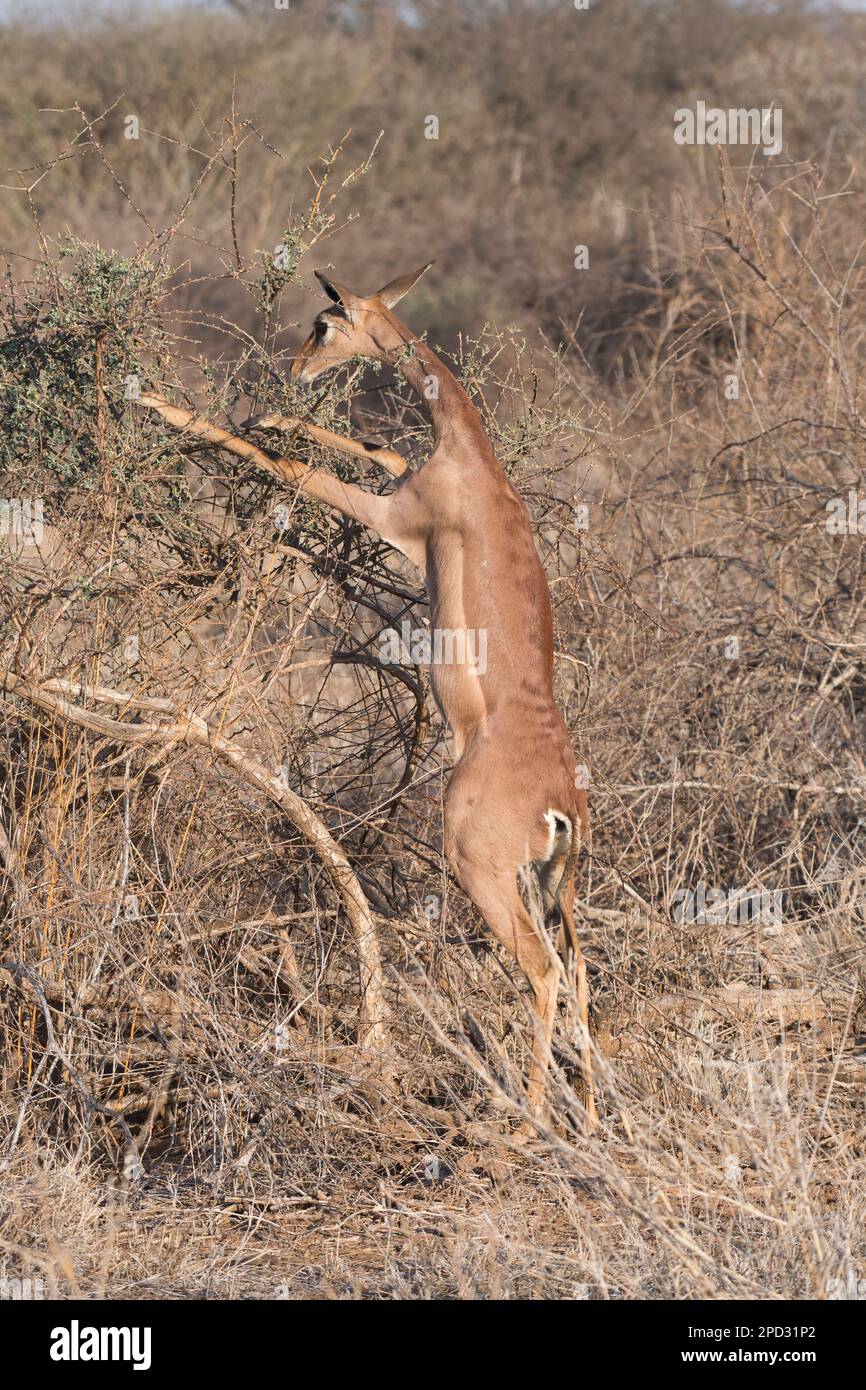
(42,8)
(58,11)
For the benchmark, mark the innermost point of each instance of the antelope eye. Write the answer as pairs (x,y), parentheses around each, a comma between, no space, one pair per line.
(321,328)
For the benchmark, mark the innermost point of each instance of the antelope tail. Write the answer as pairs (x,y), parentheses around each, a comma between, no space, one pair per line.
(551,870)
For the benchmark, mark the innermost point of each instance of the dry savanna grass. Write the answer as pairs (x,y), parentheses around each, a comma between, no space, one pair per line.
(220,807)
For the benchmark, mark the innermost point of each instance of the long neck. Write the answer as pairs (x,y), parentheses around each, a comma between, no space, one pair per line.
(454,418)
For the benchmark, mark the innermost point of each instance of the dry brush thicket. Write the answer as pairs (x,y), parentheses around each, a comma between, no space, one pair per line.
(220,809)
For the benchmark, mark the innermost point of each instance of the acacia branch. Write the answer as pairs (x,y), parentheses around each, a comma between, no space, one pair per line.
(189,728)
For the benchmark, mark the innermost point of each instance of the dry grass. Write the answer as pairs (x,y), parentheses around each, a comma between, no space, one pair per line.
(186,1107)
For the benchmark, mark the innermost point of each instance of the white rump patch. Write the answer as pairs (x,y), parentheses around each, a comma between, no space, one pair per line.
(557,824)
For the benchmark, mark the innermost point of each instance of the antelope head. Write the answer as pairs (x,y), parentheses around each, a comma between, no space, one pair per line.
(353,326)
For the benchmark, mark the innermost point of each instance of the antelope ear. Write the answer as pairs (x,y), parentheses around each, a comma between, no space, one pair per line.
(394,291)
(334,290)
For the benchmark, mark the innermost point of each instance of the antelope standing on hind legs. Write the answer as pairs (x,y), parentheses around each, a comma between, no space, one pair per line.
(513,805)
(513,800)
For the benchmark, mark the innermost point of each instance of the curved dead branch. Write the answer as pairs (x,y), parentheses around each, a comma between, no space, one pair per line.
(186,727)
